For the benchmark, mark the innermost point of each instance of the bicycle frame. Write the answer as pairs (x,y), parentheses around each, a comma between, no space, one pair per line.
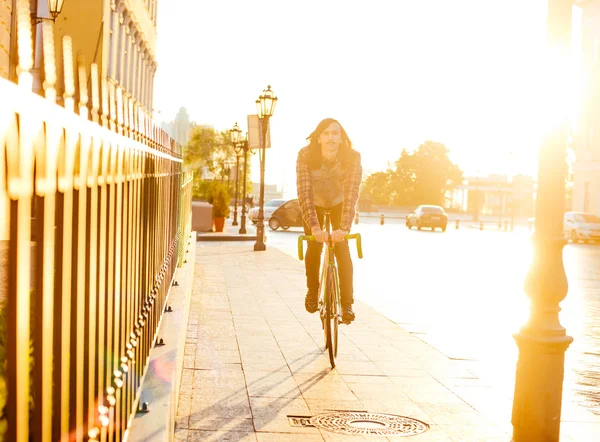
(329,291)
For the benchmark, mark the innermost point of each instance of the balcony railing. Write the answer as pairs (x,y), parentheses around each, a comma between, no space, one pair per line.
(95,221)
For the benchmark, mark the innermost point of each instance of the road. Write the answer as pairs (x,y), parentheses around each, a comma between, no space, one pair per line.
(462,292)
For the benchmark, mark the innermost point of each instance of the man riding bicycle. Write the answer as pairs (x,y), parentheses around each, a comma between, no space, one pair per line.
(328,177)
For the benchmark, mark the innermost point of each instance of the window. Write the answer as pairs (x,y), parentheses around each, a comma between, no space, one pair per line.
(586,197)
(274,203)
(587,218)
(432,209)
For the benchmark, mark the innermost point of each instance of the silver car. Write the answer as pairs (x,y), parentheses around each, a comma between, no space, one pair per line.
(269,208)
(581,226)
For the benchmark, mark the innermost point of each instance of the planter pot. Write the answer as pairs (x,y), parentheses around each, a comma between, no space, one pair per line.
(219,224)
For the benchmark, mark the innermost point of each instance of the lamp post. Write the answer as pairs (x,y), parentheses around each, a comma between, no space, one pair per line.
(54,9)
(265,105)
(542,341)
(234,133)
(241,147)
(228,165)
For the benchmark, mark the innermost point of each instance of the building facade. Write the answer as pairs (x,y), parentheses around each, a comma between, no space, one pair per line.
(497,195)
(118,35)
(180,128)
(586,142)
(8,39)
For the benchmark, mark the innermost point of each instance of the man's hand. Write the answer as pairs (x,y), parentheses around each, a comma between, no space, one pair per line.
(338,235)
(320,235)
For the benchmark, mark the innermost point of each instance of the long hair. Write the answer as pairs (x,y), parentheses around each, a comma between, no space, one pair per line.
(314,156)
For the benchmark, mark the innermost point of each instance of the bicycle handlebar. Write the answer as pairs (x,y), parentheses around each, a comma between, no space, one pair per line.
(355,236)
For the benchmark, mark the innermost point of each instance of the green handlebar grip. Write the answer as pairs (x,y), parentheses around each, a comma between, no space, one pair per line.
(358,242)
(300,247)
(355,236)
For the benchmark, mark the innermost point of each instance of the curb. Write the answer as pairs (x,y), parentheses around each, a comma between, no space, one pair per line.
(160,385)
(221,237)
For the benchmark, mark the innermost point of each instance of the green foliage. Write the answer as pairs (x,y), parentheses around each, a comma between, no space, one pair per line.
(206,154)
(201,189)
(376,188)
(220,200)
(421,177)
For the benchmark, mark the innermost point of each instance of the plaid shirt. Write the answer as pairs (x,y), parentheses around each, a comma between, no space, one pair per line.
(351,186)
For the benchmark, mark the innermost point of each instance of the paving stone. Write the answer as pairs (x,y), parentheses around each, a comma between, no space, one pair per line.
(271,384)
(474,433)
(330,436)
(181,435)
(213,359)
(320,405)
(289,437)
(201,422)
(358,368)
(225,436)
(318,387)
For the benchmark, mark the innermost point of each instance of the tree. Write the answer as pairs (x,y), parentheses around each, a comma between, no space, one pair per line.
(402,180)
(375,188)
(435,174)
(207,153)
(420,177)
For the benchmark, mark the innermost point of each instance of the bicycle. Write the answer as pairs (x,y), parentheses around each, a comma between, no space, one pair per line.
(330,308)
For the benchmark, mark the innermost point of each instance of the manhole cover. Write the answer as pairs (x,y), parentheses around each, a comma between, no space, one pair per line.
(376,424)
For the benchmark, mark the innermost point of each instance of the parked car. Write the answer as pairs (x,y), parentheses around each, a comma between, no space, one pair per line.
(581,226)
(286,216)
(269,208)
(427,216)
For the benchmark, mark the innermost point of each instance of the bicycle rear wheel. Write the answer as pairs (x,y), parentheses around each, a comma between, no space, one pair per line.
(331,316)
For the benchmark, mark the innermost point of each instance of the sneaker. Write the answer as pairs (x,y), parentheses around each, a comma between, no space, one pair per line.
(347,314)
(311,302)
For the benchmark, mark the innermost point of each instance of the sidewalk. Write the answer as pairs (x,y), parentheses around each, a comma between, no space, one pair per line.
(254,357)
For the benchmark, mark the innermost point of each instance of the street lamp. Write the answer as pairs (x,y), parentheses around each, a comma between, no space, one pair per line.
(265,106)
(241,147)
(235,136)
(228,164)
(542,341)
(54,8)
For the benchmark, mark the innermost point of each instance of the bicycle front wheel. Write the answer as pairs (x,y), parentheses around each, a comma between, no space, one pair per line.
(331,316)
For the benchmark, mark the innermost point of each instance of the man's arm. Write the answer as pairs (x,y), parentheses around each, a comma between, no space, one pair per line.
(305,194)
(351,191)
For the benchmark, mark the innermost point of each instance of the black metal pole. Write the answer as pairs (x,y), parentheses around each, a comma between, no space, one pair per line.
(228,169)
(237,189)
(543,341)
(243,217)
(259,245)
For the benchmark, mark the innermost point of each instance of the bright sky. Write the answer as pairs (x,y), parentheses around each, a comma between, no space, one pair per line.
(465,73)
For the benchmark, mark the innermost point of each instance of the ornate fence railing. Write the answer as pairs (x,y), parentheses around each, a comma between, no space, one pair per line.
(94,221)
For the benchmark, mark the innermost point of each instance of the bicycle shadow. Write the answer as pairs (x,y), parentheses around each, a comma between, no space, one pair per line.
(218,411)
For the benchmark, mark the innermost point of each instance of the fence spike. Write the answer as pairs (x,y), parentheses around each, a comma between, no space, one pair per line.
(49,61)
(69,73)
(25,44)
(83,89)
(95,94)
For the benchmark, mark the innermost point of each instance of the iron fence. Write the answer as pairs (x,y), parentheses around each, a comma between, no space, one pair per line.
(96,208)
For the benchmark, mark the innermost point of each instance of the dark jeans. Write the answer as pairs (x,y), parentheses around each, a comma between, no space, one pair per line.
(342,255)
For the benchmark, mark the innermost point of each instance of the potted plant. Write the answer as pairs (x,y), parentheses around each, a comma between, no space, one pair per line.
(220,202)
